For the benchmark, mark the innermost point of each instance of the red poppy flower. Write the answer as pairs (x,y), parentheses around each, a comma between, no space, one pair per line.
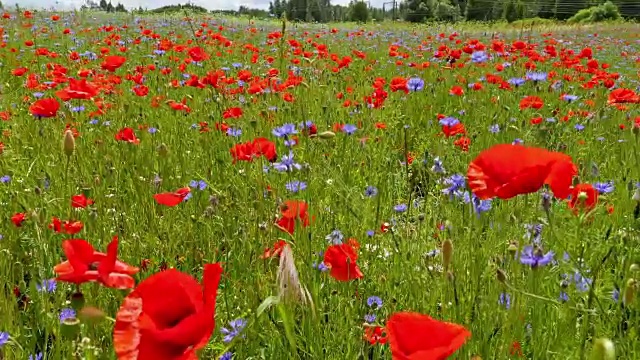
(77,89)
(172,198)
(265,147)
(47,107)
(67,227)
(18,219)
(341,259)
(274,251)
(153,326)
(533,102)
(84,264)
(583,197)
(197,54)
(112,63)
(414,336)
(507,170)
(291,211)
(234,112)
(375,335)
(622,95)
(128,135)
(80,201)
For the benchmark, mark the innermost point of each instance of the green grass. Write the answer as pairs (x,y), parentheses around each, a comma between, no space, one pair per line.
(237,227)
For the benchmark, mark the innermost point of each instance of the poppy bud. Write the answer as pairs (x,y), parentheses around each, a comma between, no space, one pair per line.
(634,267)
(513,248)
(327,135)
(636,195)
(546,202)
(77,301)
(37,190)
(501,276)
(629,292)
(603,349)
(447,254)
(69,143)
(162,149)
(90,313)
(70,328)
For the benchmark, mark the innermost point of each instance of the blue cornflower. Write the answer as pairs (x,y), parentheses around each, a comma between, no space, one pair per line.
(449,121)
(198,184)
(479,206)
(370,233)
(533,233)
(505,300)
(296,185)
(38,95)
(494,129)
(286,163)
(569,98)
(370,318)
(517,142)
(284,131)
(371,191)
(604,187)
(479,57)
(335,237)
(321,267)
(152,130)
(66,314)
(374,301)
(535,257)
(77,108)
(5,179)
(432,253)
(349,129)
(4,338)
(437,167)
(579,127)
(537,76)
(456,182)
(615,295)
(400,207)
(94,121)
(307,125)
(563,297)
(516,81)
(582,283)
(226,356)
(47,286)
(415,84)
(37,356)
(235,328)
(235,132)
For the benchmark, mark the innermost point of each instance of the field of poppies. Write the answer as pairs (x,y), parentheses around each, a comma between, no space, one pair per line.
(206,188)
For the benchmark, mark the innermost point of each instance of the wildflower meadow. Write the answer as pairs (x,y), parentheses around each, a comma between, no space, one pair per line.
(201,187)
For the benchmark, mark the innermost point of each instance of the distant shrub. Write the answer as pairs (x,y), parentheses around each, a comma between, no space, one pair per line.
(605,12)
(532,21)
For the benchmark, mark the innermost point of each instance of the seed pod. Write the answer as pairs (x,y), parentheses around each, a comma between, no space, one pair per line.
(327,135)
(501,276)
(629,292)
(447,254)
(70,328)
(69,143)
(603,349)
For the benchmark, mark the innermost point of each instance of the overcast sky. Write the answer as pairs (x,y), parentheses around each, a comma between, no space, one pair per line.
(152,4)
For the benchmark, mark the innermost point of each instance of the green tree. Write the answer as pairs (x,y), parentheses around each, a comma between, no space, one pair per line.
(359,11)
(510,11)
(103,5)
